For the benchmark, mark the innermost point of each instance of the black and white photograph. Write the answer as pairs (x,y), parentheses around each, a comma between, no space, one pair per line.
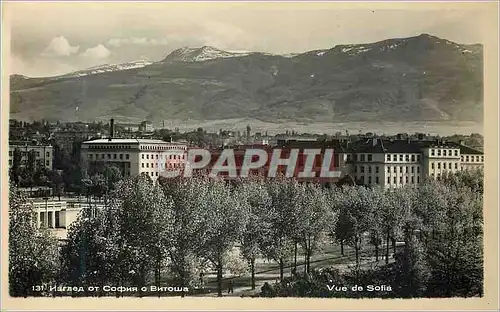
(245,149)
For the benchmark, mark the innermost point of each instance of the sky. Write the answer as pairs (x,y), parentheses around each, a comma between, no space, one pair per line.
(49,39)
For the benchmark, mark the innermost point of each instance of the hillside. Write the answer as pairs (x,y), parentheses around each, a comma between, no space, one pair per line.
(421,78)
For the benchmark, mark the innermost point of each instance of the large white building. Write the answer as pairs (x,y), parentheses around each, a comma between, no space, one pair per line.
(134,156)
(394,163)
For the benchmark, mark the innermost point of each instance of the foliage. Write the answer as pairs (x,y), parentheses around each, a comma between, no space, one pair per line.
(32,251)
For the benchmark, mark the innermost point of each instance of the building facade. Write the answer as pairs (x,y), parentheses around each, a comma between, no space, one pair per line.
(395,163)
(44,154)
(134,156)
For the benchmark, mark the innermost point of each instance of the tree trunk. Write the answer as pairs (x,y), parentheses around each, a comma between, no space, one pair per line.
(282,266)
(356,247)
(393,245)
(219,278)
(295,258)
(252,265)
(342,247)
(387,248)
(376,250)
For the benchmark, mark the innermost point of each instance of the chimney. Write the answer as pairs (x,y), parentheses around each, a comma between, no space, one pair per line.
(111,129)
(374,141)
(462,142)
(408,140)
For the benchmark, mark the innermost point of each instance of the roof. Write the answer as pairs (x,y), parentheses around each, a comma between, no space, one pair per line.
(128,141)
(466,150)
(337,145)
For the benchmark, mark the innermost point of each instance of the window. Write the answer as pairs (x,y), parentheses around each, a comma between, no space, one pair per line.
(156,173)
(444,152)
(412,180)
(406,179)
(142,165)
(10,153)
(121,156)
(400,180)
(102,156)
(412,157)
(147,156)
(467,158)
(47,163)
(439,165)
(439,152)
(394,180)
(348,157)
(418,179)
(355,168)
(401,169)
(114,156)
(477,158)
(127,156)
(376,169)
(449,165)
(388,169)
(394,157)
(362,157)
(369,157)
(456,152)
(456,165)
(418,157)
(37,154)
(482,158)
(376,180)
(388,157)
(48,154)
(156,156)
(147,165)
(388,180)
(369,169)
(10,162)
(407,170)
(412,169)
(369,180)
(109,156)
(418,169)
(432,152)
(400,157)
(407,157)
(142,156)
(362,169)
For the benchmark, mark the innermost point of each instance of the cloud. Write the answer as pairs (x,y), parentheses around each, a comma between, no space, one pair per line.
(118,42)
(59,46)
(97,52)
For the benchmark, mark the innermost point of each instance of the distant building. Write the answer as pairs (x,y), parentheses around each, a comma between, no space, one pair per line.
(134,156)
(394,163)
(44,154)
(146,126)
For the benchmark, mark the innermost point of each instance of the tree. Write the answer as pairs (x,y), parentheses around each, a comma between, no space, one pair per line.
(258,201)
(277,237)
(455,251)
(33,258)
(313,215)
(224,219)
(188,225)
(112,175)
(57,182)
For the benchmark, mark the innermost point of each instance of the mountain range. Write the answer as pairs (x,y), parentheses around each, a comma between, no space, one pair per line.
(422,78)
